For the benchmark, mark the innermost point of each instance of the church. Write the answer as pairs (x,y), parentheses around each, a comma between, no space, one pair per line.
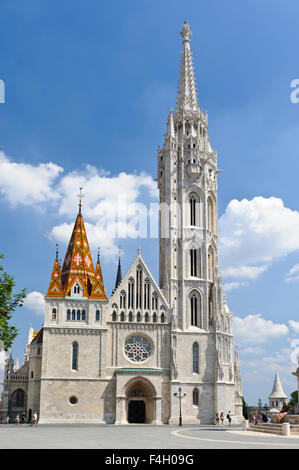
(137,356)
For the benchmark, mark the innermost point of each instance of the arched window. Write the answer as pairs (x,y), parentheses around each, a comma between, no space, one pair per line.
(130,316)
(97,315)
(155,318)
(211,215)
(75,356)
(194,262)
(211,307)
(122,299)
(146,293)
(162,318)
(195,352)
(78,314)
(131,293)
(83,315)
(73,314)
(54,310)
(155,301)
(138,286)
(114,316)
(122,316)
(18,398)
(195,308)
(146,317)
(138,317)
(68,314)
(194,208)
(192,202)
(195,396)
(211,264)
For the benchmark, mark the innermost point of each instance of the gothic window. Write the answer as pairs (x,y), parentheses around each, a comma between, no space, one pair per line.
(78,314)
(97,315)
(122,316)
(211,215)
(77,288)
(18,398)
(195,308)
(146,317)
(131,293)
(146,293)
(122,299)
(73,314)
(114,316)
(195,352)
(83,315)
(68,314)
(138,317)
(211,264)
(138,286)
(130,316)
(155,301)
(162,318)
(155,318)
(31,374)
(195,396)
(194,209)
(211,307)
(138,348)
(194,262)
(75,356)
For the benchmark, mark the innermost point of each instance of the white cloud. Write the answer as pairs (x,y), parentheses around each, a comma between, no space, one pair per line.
(35,301)
(294,325)
(22,183)
(292,271)
(232,285)
(251,350)
(255,329)
(255,233)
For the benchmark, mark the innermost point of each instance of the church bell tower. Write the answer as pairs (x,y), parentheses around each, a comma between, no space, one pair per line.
(202,341)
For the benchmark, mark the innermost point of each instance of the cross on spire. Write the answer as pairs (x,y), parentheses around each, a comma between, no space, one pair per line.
(80,196)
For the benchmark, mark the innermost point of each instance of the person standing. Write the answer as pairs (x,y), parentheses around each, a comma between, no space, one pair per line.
(217,419)
(23,417)
(7,419)
(229,417)
(222,418)
(17,419)
(34,419)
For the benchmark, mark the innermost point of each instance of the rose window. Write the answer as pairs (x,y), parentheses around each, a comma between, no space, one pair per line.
(138,348)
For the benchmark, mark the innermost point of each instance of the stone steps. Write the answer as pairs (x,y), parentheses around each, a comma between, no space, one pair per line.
(274,428)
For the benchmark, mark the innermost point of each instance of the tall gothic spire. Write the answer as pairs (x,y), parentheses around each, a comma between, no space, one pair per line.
(55,286)
(119,274)
(277,390)
(187,99)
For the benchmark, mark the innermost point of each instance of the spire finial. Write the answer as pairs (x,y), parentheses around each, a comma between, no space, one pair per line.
(186,33)
(56,251)
(99,251)
(80,196)
(139,251)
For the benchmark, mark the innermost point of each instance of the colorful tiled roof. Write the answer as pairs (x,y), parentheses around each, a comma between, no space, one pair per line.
(98,288)
(55,286)
(77,263)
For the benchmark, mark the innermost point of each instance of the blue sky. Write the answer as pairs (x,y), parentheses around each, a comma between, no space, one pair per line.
(88,88)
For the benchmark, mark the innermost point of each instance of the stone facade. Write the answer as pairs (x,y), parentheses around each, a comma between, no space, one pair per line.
(123,359)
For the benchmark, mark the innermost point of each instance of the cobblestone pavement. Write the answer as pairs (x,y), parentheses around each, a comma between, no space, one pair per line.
(137,437)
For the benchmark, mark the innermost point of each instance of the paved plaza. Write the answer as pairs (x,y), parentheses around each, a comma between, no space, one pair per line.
(138,437)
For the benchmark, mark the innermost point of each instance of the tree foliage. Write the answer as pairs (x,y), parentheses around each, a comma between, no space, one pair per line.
(245,409)
(9,301)
(294,398)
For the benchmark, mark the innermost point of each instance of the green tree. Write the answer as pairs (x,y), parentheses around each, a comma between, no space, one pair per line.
(294,398)
(245,409)
(9,301)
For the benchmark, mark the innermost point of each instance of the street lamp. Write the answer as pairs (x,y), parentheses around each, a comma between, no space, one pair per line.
(260,404)
(266,409)
(180,395)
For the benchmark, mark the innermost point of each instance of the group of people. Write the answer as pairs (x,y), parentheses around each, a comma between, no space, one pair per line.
(21,420)
(220,418)
(285,410)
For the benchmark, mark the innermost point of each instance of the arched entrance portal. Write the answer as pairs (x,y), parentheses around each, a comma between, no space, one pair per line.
(140,395)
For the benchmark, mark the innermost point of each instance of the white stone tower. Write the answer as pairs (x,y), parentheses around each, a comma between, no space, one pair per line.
(202,341)
(277,396)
